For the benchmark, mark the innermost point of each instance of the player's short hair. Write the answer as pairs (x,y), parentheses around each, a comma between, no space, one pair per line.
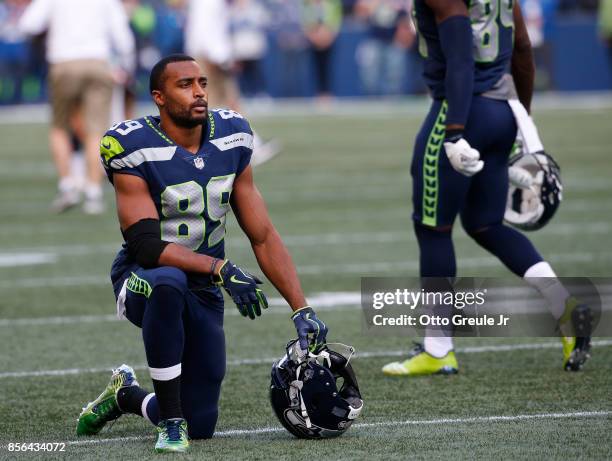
(156,80)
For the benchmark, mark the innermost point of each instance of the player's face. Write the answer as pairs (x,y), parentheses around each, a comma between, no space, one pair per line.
(184,97)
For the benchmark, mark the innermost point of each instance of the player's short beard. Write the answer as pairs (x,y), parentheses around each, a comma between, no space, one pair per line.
(182,117)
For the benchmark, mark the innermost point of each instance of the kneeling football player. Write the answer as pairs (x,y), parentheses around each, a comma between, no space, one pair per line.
(175,178)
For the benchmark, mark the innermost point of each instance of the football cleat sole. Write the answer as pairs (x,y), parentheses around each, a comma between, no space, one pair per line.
(577,348)
(579,355)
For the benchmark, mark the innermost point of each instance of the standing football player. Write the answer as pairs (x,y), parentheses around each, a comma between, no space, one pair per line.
(477,56)
(175,178)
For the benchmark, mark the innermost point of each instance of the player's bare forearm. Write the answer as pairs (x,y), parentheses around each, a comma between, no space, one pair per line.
(188,261)
(523,72)
(276,263)
(272,255)
(523,68)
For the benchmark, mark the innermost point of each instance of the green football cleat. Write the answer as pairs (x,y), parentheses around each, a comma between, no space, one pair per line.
(172,437)
(575,327)
(420,363)
(105,408)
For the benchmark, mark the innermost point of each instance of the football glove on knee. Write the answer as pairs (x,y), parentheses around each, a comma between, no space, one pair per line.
(307,323)
(242,287)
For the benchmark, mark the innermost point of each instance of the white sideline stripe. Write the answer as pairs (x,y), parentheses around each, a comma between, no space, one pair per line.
(367,268)
(325,302)
(476,419)
(364,269)
(389,214)
(359,426)
(284,108)
(38,282)
(59,320)
(527,306)
(50,254)
(26,259)
(331,238)
(270,360)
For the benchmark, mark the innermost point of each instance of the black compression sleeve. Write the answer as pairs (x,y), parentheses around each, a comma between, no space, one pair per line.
(144,243)
(456,42)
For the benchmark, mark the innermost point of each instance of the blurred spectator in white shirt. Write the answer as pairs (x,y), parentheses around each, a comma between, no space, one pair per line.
(82,38)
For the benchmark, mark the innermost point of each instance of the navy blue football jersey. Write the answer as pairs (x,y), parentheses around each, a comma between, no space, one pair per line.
(191,191)
(493,37)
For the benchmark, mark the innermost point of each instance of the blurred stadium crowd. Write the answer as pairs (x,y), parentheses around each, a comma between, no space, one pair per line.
(291,48)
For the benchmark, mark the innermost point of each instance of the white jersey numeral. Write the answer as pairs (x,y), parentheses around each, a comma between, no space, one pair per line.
(130,125)
(228,113)
(183,207)
(484,15)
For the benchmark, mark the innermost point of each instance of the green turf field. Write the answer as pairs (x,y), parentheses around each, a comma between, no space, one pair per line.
(340,196)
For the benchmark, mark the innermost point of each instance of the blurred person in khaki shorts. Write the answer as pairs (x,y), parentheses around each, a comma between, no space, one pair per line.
(89,48)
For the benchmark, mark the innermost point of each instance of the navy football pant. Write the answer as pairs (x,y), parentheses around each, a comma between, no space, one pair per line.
(198,331)
(440,193)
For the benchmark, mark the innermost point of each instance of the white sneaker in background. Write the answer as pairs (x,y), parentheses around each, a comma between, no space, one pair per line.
(94,201)
(67,196)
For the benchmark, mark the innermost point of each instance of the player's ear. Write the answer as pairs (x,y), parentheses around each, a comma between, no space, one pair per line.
(158,97)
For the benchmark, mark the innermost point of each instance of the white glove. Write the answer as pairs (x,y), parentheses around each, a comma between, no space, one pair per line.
(520,177)
(463,157)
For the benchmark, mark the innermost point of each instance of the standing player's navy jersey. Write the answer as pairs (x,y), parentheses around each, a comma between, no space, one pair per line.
(191,191)
(493,36)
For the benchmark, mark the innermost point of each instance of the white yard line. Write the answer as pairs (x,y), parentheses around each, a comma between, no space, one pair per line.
(15,259)
(64,281)
(362,268)
(270,360)
(369,268)
(387,214)
(326,301)
(526,297)
(357,108)
(314,239)
(360,426)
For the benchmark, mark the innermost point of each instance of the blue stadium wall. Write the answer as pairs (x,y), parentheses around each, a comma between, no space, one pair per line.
(577,59)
